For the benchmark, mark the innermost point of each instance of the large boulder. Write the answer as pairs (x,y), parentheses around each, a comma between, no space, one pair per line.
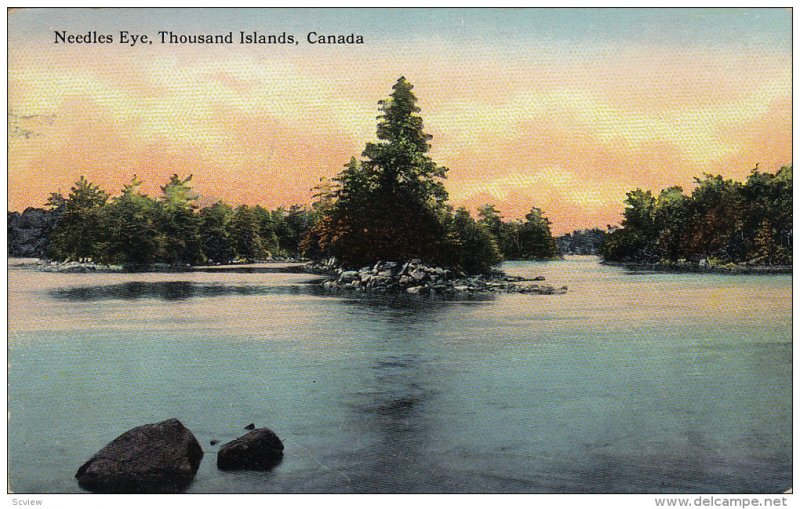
(261,449)
(154,458)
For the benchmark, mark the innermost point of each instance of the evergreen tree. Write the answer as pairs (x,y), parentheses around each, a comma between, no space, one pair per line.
(245,235)
(78,234)
(267,230)
(180,225)
(470,245)
(215,232)
(535,239)
(131,227)
(392,204)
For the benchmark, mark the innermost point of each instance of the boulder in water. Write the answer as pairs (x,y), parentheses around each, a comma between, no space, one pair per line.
(261,449)
(153,458)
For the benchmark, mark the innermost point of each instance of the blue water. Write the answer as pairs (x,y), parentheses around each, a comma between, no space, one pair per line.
(630,382)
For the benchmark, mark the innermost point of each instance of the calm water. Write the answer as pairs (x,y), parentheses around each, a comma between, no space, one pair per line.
(630,382)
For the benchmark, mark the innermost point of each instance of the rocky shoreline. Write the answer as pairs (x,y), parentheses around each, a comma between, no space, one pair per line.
(92,267)
(72,267)
(416,278)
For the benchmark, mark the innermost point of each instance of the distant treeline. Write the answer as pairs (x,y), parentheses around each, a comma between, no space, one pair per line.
(134,229)
(721,222)
(581,242)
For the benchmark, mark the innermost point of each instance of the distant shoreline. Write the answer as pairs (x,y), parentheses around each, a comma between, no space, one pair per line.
(92,267)
(698,269)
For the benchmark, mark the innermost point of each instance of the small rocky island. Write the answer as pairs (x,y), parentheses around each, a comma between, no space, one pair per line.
(414,277)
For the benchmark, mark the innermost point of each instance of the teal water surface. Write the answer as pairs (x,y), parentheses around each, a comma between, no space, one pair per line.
(630,382)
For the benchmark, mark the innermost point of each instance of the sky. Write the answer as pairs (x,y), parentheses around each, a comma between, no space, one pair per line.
(562,109)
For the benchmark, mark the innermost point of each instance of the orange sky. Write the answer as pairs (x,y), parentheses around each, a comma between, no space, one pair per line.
(521,116)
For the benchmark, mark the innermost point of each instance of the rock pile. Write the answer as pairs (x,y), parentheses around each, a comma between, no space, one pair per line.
(414,277)
(164,458)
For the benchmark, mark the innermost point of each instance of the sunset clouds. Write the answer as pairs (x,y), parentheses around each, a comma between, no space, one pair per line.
(525,116)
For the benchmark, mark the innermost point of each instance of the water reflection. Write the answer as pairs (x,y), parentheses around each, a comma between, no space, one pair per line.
(252,269)
(394,413)
(183,290)
(395,403)
(172,291)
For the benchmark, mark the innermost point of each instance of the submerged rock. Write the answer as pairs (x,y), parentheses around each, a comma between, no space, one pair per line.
(260,449)
(153,458)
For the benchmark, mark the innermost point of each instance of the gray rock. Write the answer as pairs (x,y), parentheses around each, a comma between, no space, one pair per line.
(348,276)
(260,449)
(153,458)
(418,274)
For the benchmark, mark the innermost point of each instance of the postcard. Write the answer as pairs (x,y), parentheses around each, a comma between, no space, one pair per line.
(400,251)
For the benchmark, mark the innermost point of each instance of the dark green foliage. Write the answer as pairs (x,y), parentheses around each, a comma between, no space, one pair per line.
(391,205)
(215,233)
(77,235)
(180,224)
(266,229)
(290,227)
(767,221)
(520,240)
(489,217)
(131,227)
(245,235)
(535,239)
(472,247)
(135,230)
(723,221)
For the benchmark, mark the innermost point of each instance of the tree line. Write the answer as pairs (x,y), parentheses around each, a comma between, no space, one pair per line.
(134,229)
(722,221)
(390,205)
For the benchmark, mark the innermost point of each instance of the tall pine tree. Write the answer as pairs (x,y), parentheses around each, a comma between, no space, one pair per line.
(391,205)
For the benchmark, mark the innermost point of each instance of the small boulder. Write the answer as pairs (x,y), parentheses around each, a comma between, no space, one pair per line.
(250,426)
(260,449)
(418,274)
(406,281)
(153,458)
(348,276)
